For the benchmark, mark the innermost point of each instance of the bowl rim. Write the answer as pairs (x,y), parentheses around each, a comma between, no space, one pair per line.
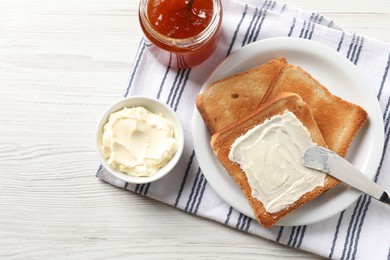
(151,104)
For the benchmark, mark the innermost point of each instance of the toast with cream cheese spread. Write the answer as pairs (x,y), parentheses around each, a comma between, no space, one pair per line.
(268,165)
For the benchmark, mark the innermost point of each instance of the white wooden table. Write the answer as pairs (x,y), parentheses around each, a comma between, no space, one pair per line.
(62,63)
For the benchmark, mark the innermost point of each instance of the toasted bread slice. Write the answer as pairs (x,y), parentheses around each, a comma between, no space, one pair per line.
(222,141)
(230,99)
(337,119)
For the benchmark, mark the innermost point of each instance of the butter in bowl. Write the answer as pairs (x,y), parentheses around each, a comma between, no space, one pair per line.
(139,139)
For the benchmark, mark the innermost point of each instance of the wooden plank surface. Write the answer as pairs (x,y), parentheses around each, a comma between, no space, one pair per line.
(62,63)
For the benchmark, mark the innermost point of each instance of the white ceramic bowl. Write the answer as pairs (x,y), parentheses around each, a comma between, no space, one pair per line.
(154,106)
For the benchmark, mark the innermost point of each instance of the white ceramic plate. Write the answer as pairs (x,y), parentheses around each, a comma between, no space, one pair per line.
(341,77)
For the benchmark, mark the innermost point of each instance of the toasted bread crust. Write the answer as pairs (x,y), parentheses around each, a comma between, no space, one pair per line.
(222,141)
(228,100)
(338,120)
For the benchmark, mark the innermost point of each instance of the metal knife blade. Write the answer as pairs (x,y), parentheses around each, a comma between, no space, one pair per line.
(325,160)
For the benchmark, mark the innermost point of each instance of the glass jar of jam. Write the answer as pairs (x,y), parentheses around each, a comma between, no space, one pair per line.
(181,34)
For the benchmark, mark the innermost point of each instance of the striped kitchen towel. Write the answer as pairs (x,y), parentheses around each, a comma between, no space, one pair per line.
(360,231)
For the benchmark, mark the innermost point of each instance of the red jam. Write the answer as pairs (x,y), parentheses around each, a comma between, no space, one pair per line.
(176,19)
(181,36)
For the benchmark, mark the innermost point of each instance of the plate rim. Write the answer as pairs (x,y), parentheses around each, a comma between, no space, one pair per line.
(239,57)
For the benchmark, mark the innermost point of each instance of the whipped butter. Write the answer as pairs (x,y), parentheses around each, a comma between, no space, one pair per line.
(271,156)
(138,142)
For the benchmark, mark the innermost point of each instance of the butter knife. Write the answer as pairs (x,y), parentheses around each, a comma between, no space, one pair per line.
(327,161)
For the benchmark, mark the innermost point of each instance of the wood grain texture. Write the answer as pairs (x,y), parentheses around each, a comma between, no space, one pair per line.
(61,64)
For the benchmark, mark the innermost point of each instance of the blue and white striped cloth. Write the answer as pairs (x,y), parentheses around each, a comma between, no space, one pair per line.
(362,230)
